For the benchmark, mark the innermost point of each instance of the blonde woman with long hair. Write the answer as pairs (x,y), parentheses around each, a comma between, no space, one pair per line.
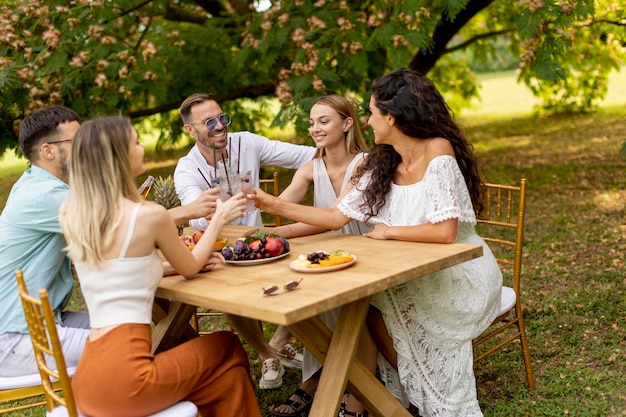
(334,127)
(113,236)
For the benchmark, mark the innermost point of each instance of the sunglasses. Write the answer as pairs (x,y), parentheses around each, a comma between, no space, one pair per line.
(289,286)
(211,124)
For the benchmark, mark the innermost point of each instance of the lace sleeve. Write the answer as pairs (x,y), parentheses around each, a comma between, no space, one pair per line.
(350,205)
(447,193)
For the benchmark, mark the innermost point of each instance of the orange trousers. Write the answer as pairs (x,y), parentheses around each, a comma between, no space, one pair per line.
(117,376)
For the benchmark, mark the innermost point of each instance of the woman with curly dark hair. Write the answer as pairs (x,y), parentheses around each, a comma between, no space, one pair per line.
(419,183)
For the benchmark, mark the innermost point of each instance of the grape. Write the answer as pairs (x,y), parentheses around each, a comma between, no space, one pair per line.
(316,257)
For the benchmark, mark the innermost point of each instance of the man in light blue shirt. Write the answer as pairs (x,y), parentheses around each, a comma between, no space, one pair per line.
(31,240)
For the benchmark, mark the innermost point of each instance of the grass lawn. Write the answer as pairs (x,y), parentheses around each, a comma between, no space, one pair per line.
(574,286)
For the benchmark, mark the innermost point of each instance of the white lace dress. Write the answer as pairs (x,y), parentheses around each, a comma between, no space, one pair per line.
(433,320)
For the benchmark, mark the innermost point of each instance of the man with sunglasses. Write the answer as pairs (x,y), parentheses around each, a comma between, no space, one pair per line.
(205,121)
(32,241)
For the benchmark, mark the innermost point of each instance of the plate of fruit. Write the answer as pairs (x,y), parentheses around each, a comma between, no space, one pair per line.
(258,248)
(321,261)
(193,239)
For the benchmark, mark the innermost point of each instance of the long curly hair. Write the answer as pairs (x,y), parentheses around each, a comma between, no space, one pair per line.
(420,112)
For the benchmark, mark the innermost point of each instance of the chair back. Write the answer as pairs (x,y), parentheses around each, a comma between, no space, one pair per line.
(271,186)
(43,333)
(501,225)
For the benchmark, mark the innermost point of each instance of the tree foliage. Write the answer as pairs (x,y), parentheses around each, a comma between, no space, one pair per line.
(142,57)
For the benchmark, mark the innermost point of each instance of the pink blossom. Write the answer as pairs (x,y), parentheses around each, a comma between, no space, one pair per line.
(123,72)
(51,37)
(316,23)
(102,64)
(77,62)
(148,50)
(100,80)
(283,19)
(318,84)
(298,35)
(266,25)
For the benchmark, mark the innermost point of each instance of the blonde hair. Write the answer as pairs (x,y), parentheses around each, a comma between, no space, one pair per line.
(353,137)
(100,179)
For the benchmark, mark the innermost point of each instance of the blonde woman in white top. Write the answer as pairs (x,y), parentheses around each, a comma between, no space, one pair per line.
(113,236)
(333,126)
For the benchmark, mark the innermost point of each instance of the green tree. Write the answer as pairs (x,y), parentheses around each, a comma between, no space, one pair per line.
(142,57)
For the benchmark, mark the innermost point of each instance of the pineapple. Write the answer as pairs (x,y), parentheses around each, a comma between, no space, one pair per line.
(165,195)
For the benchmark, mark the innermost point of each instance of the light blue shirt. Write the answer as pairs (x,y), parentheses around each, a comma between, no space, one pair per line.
(31,240)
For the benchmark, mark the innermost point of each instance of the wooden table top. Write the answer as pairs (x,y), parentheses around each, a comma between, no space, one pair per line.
(381,264)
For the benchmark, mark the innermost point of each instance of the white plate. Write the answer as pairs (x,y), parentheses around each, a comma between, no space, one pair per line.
(257,261)
(327,269)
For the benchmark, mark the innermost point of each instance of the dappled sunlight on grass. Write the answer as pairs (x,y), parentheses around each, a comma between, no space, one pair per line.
(611,201)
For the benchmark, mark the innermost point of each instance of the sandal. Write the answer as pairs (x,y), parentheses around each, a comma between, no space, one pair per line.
(297,406)
(344,413)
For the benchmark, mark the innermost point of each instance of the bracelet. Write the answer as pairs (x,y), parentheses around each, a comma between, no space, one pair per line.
(384,232)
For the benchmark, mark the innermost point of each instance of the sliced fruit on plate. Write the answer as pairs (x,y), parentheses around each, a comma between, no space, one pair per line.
(220,243)
(331,261)
(191,240)
(322,259)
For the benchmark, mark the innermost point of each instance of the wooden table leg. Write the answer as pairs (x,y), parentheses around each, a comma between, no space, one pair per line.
(170,328)
(337,352)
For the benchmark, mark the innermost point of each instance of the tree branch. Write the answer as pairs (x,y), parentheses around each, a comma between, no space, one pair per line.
(213,7)
(610,22)
(175,13)
(476,38)
(423,61)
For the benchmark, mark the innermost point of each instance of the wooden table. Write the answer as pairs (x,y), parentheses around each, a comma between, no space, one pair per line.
(380,265)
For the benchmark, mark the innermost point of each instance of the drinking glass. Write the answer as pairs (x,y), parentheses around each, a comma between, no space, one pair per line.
(248,188)
(229,181)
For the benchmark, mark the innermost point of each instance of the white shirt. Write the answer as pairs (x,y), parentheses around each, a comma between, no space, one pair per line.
(256,151)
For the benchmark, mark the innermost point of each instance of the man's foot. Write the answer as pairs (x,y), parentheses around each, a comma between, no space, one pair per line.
(272,374)
(298,403)
(290,357)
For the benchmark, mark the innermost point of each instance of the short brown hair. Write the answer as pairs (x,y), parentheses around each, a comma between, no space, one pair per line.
(41,124)
(192,100)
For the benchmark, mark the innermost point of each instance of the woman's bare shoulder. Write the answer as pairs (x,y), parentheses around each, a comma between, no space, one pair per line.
(153,213)
(438,147)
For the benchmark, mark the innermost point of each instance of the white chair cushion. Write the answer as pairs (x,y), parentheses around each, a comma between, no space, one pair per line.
(25,380)
(507,300)
(19,381)
(181,409)
(60,411)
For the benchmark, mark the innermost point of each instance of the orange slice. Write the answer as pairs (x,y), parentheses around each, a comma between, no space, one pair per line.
(220,243)
(339,259)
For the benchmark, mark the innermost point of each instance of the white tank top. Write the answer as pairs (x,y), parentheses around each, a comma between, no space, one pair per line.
(122,289)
